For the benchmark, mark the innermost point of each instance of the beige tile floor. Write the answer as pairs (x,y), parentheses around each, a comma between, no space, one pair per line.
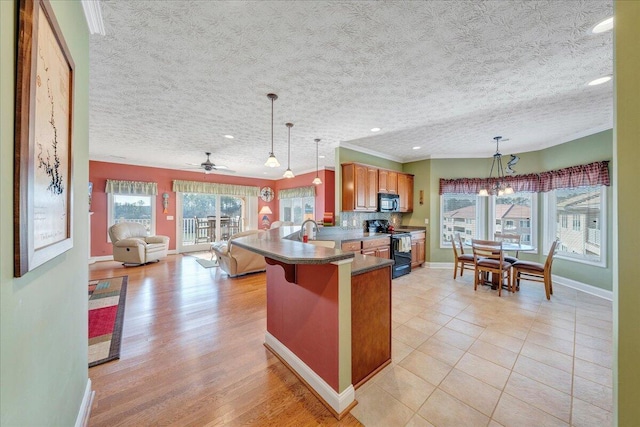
(470,358)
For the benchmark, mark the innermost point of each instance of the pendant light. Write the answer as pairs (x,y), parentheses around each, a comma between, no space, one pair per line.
(272,162)
(317,180)
(498,186)
(288,173)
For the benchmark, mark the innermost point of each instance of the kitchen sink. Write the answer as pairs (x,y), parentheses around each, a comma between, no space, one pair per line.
(323,243)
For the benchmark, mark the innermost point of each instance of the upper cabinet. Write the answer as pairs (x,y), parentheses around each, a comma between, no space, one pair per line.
(387,181)
(359,187)
(362,183)
(405,191)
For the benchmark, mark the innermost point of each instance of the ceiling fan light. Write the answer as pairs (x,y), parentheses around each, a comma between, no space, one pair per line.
(272,162)
(317,181)
(483,192)
(288,174)
(508,190)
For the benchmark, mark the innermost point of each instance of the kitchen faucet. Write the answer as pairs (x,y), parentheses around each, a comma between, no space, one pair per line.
(301,233)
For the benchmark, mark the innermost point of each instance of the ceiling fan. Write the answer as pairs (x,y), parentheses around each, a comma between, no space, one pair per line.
(209,167)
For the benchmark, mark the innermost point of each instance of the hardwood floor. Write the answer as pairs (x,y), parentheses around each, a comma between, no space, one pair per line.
(192,354)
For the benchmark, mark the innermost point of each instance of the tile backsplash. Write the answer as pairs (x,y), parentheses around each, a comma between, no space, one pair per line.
(355,220)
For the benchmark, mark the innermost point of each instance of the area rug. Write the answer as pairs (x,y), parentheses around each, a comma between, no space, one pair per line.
(106,314)
(207,263)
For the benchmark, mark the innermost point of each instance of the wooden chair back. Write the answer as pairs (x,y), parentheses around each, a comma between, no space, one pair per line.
(489,258)
(507,237)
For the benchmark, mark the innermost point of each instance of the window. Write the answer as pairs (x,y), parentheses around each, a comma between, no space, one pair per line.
(577,223)
(461,213)
(584,208)
(132,208)
(515,214)
(297,209)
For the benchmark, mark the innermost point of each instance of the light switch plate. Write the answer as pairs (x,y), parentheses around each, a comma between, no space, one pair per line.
(426,221)
(169,217)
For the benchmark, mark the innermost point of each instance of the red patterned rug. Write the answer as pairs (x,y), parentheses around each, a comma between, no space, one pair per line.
(106,315)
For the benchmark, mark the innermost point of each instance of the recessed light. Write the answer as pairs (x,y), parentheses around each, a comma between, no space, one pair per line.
(321,156)
(599,81)
(375,129)
(229,136)
(416,148)
(603,26)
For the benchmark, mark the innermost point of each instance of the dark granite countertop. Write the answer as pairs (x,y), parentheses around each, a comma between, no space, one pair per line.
(275,244)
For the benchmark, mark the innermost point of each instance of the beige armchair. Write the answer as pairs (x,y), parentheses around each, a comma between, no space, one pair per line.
(131,245)
(235,260)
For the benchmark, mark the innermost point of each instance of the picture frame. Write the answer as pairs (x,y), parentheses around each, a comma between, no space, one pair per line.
(43,181)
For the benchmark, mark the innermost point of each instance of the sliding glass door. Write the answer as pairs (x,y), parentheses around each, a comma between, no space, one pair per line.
(207,218)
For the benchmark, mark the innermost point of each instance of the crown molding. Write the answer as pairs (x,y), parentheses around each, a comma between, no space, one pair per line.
(93,15)
(371,152)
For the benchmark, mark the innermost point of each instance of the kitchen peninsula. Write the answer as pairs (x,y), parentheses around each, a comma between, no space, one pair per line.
(328,313)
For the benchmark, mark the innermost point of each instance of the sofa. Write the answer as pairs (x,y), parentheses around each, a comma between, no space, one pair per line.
(131,245)
(236,261)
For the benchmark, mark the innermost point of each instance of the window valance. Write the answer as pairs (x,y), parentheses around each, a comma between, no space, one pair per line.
(291,193)
(588,175)
(131,187)
(215,188)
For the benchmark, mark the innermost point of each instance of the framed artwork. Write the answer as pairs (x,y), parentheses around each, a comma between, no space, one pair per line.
(44,122)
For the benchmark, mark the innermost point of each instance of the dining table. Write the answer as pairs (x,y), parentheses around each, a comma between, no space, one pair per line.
(506,247)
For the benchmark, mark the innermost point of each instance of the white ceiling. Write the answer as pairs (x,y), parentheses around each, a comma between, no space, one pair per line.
(171,78)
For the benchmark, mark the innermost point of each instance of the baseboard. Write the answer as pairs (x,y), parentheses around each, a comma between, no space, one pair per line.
(82,420)
(569,283)
(338,402)
(589,289)
(439,265)
(110,257)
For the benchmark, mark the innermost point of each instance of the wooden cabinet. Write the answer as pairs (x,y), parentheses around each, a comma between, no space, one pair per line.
(405,191)
(353,246)
(387,181)
(377,247)
(418,242)
(380,247)
(359,187)
(370,324)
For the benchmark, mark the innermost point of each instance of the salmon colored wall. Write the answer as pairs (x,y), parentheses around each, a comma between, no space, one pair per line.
(304,316)
(325,192)
(99,172)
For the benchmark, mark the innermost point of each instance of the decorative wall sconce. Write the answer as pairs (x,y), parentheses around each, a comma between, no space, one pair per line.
(422,197)
(165,202)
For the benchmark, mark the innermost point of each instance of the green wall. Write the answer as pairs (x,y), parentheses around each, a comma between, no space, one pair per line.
(626,304)
(580,151)
(43,315)
(346,155)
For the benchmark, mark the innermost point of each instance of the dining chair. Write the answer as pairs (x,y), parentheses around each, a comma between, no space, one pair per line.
(535,271)
(461,260)
(489,258)
(511,238)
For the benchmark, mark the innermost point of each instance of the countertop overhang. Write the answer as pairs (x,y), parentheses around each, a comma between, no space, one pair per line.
(274,244)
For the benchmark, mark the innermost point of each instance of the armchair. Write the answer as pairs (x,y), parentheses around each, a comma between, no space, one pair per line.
(236,261)
(131,245)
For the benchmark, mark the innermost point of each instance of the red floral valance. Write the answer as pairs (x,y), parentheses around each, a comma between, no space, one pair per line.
(589,175)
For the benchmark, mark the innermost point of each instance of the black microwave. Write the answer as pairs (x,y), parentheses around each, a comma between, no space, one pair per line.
(388,202)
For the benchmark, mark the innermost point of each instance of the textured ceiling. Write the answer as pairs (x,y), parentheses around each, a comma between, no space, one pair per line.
(171,78)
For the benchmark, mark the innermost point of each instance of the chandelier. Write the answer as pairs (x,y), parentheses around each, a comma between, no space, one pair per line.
(497,185)
(272,162)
